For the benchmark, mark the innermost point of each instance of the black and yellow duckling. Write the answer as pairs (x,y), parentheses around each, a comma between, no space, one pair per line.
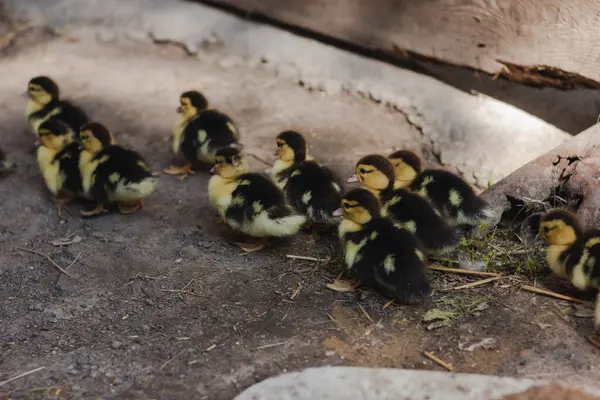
(111,173)
(6,164)
(573,253)
(250,202)
(58,159)
(415,213)
(45,103)
(200,132)
(381,253)
(449,193)
(310,188)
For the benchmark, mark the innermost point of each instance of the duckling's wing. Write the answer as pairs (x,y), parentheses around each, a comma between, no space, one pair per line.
(254,192)
(312,189)
(68,160)
(418,214)
(401,270)
(72,115)
(220,130)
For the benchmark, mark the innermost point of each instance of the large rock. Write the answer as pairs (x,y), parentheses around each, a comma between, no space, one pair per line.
(353,383)
(574,165)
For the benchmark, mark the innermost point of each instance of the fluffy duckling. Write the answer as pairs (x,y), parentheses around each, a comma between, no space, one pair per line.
(250,202)
(379,252)
(448,193)
(200,132)
(309,187)
(45,103)
(414,212)
(111,173)
(6,164)
(58,159)
(573,253)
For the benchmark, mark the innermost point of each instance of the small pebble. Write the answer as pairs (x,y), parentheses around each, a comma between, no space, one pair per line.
(116,344)
(36,307)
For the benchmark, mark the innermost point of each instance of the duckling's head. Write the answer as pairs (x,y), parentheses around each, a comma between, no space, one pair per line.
(54,134)
(374,172)
(230,163)
(291,146)
(42,90)
(407,166)
(360,206)
(94,137)
(560,227)
(192,103)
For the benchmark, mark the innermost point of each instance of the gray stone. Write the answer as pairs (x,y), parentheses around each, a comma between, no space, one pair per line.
(354,383)
(538,178)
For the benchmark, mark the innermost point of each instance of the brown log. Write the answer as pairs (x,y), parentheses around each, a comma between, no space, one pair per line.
(539,42)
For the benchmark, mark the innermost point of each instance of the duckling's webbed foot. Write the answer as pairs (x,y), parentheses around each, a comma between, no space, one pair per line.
(96,211)
(61,202)
(184,171)
(130,209)
(250,247)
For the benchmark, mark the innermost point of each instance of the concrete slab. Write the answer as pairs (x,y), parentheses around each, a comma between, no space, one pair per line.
(480,137)
(351,383)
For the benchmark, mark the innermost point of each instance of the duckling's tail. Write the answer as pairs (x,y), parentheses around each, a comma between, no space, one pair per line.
(132,192)
(482,214)
(411,289)
(282,221)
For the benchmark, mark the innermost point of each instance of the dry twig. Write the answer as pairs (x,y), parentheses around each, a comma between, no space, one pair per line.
(366,313)
(266,346)
(461,271)
(48,258)
(171,359)
(475,284)
(532,289)
(305,258)
(433,358)
(21,375)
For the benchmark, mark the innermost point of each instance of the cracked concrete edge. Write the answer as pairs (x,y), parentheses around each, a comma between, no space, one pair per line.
(357,383)
(498,137)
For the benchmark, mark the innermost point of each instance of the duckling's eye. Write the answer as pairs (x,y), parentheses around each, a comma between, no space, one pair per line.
(362,171)
(546,229)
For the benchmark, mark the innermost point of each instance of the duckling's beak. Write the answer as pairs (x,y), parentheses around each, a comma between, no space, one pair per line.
(179,110)
(25,94)
(213,169)
(337,213)
(539,240)
(352,179)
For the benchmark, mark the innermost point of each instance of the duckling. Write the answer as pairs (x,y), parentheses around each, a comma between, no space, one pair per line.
(379,252)
(309,187)
(45,103)
(449,193)
(111,173)
(573,253)
(376,173)
(58,159)
(250,202)
(200,132)
(6,164)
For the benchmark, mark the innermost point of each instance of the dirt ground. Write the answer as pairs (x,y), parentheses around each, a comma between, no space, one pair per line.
(160,304)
